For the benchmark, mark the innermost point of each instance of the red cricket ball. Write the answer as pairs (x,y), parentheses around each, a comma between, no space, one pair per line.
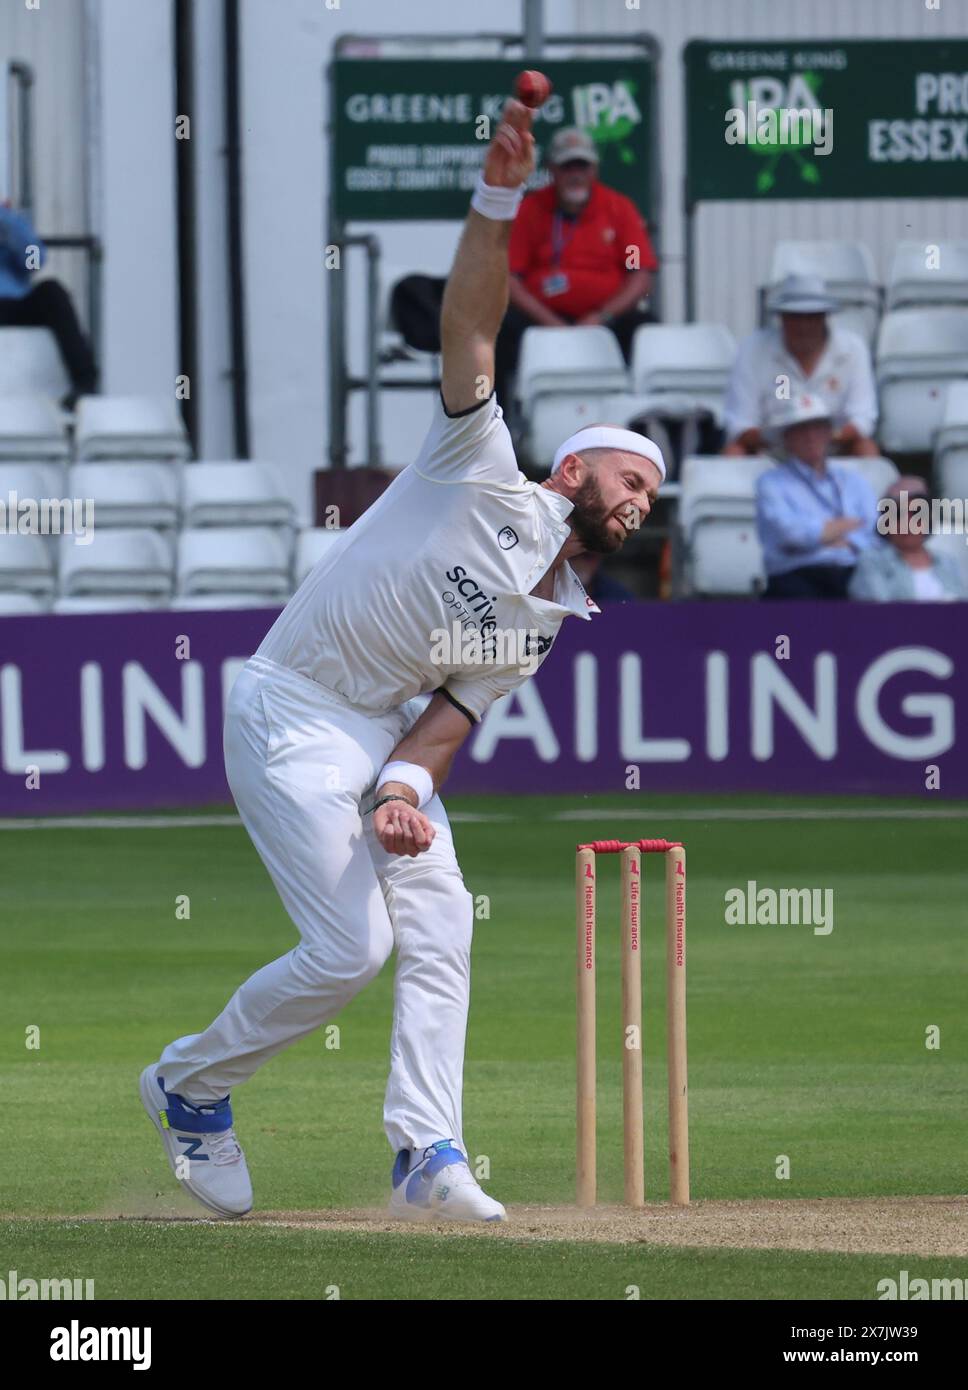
(532,88)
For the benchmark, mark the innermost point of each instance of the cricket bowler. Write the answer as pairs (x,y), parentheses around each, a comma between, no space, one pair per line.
(341,730)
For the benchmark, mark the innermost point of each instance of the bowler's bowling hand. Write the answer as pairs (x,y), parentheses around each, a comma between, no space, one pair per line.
(402,829)
(510,155)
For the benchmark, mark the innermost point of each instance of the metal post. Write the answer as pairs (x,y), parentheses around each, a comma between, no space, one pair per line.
(533,26)
(23,74)
(374,449)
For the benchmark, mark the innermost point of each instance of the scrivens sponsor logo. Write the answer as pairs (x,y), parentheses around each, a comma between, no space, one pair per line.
(471,606)
(474,638)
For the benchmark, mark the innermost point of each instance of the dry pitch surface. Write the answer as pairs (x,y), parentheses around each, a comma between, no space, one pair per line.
(927,1226)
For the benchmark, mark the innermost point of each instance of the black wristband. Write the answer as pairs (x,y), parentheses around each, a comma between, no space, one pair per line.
(395,796)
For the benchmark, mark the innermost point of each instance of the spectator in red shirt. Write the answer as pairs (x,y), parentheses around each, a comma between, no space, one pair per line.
(580,254)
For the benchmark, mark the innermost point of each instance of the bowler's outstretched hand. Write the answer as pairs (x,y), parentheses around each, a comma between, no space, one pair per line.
(510,155)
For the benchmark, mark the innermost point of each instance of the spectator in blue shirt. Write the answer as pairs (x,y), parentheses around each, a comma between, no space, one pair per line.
(45,304)
(814,517)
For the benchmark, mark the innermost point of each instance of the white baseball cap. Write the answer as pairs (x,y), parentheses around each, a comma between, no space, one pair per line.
(802,294)
(798,410)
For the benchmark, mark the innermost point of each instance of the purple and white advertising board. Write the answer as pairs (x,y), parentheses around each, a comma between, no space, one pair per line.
(125,711)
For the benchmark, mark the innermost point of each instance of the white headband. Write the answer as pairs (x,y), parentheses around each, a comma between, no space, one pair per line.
(610,437)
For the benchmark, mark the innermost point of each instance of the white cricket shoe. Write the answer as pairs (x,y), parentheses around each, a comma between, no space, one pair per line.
(435,1184)
(201,1146)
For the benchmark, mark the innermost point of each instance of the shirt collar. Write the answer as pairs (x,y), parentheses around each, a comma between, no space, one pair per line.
(553,511)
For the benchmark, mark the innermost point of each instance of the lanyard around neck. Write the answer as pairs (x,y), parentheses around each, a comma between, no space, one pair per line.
(805,473)
(559,242)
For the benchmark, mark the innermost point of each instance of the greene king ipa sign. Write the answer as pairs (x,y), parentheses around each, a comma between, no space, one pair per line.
(827,120)
(409,142)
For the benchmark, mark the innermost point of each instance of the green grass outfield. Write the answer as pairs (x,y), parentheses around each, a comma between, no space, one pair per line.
(801,1045)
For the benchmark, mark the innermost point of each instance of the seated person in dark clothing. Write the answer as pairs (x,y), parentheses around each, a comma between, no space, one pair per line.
(814,517)
(43,305)
(580,253)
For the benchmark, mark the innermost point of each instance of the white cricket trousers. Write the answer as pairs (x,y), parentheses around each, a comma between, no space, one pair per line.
(299,760)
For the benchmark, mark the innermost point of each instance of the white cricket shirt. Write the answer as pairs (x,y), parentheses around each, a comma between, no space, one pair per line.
(461,535)
(843,377)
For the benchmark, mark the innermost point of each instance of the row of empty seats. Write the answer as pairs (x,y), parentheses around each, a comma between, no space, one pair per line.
(105,427)
(138,568)
(154,494)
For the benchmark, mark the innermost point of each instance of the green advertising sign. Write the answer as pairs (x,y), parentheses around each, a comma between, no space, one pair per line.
(827,119)
(408,138)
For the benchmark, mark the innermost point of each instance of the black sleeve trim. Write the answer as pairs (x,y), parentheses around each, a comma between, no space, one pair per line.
(456,703)
(456,415)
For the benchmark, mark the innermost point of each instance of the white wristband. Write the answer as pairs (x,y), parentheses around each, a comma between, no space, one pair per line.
(411,775)
(500,204)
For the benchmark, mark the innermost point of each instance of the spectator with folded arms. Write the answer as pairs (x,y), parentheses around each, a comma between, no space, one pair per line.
(814,518)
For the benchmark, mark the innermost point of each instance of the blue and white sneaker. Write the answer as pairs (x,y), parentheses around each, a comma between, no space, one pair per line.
(202,1149)
(435,1184)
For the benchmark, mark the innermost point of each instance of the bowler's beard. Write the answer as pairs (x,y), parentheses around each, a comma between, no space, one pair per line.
(590,518)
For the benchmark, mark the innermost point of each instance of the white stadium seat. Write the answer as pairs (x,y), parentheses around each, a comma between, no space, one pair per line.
(717,486)
(32,427)
(726,558)
(107,603)
(920,352)
(136,561)
(311,545)
(951,442)
(951,473)
(844,265)
(690,358)
(217,559)
(564,359)
(927,272)
(880,473)
(234,494)
(24,479)
(130,427)
(717,522)
(26,564)
(215,601)
(862,320)
(20,605)
(128,494)
(30,362)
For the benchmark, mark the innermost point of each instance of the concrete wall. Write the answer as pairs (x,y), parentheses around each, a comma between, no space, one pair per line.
(135,218)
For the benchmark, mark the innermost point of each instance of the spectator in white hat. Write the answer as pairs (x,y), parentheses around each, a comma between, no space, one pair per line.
(803,353)
(899,567)
(580,253)
(814,517)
